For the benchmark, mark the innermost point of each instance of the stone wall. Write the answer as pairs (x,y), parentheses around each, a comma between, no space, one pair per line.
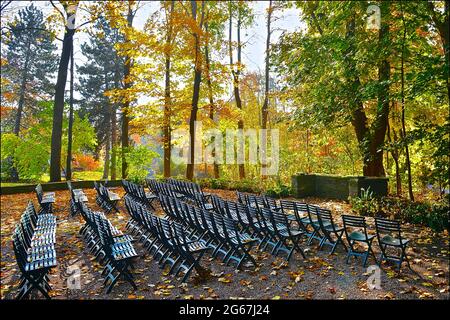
(54,186)
(336,187)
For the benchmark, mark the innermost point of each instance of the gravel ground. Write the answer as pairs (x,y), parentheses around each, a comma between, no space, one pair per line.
(321,276)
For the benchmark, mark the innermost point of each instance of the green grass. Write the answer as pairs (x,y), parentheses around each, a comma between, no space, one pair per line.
(87,175)
(12,184)
(78,175)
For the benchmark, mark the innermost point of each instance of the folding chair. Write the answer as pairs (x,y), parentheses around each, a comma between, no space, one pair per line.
(76,195)
(294,209)
(46,200)
(240,244)
(119,252)
(389,235)
(356,232)
(332,233)
(242,198)
(190,250)
(284,233)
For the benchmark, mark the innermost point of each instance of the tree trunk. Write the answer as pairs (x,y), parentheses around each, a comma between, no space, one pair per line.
(395,156)
(58,109)
(114,126)
(22,93)
(236,73)
(402,69)
(167,99)
(375,167)
(126,105)
(443,28)
(265,107)
(196,93)
(14,172)
(107,151)
(211,101)
(69,133)
(370,141)
(267,66)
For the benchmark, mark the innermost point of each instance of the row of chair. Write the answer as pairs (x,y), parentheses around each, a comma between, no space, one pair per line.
(113,249)
(34,247)
(219,233)
(46,200)
(268,226)
(76,196)
(317,224)
(188,189)
(302,219)
(105,198)
(256,201)
(137,192)
(168,241)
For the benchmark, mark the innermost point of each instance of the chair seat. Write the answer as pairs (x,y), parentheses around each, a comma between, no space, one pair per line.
(306,220)
(208,206)
(359,236)
(48,200)
(391,241)
(81,198)
(195,246)
(294,233)
(40,264)
(112,196)
(150,195)
(329,227)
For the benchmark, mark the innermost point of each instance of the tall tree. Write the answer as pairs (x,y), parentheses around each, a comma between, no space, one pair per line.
(236,70)
(333,101)
(402,93)
(69,134)
(30,61)
(127,85)
(210,96)
(196,33)
(58,109)
(265,106)
(103,72)
(167,92)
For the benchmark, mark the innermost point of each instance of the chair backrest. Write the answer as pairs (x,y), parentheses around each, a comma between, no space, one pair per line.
(354,222)
(217,202)
(39,192)
(242,197)
(324,215)
(270,202)
(387,226)
(256,201)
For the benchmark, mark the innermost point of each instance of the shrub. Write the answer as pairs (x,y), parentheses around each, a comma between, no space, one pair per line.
(366,204)
(278,191)
(435,216)
(86,162)
(139,160)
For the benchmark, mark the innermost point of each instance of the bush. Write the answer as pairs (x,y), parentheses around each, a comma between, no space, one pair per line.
(278,191)
(435,216)
(244,185)
(366,204)
(139,160)
(85,162)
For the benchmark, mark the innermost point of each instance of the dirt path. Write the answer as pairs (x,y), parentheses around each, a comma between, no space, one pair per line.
(320,277)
